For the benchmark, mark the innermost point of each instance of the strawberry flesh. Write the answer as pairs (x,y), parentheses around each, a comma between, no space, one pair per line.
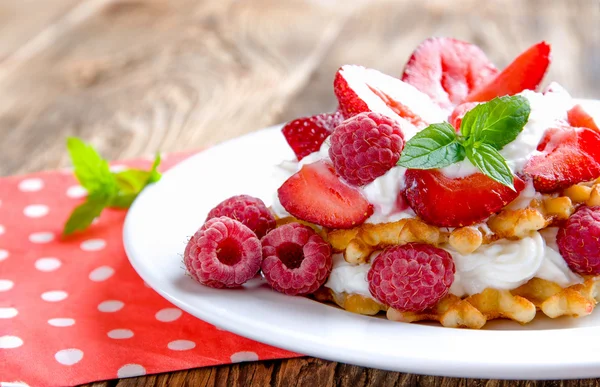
(456,202)
(315,194)
(569,156)
(579,118)
(525,72)
(306,135)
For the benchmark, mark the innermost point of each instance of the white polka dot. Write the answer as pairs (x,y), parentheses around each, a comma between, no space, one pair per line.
(31,185)
(7,342)
(93,245)
(69,356)
(181,345)
(2,229)
(47,264)
(6,285)
(110,306)
(243,356)
(101,273)
(168,314)
(41,237)
(118,168)
(3,254)
(8,312)
(61,322)
(13,384)
(120,334)
(36,210)
(130,370)
(54,296)
(76,192)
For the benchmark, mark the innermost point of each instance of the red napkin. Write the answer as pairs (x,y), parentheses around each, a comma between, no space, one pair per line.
(74,311)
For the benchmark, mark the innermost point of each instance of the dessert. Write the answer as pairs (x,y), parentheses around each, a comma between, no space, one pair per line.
(455,193)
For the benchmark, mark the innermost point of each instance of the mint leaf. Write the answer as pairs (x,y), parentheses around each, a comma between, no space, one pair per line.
(83,216)
(132,181)
(497,122)
(91,170)
(491,163)
(436,146)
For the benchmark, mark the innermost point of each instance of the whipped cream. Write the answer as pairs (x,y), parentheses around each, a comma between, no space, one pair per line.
(347,278)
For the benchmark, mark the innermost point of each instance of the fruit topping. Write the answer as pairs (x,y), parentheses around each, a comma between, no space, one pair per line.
(359,90)
(305,135)
(579,241)
(249,210)
(579,118)
(447,70)
(456,202)
(297,260)
(569,156)
(365,147)
(525,72)
(223,253)
(412,277)
(315,194)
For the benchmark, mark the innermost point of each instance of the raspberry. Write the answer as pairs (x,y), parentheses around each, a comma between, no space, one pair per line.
(579,241)
(223,253)
(249,210)
(365,147)
(306,135)
(412,277)
(297,260)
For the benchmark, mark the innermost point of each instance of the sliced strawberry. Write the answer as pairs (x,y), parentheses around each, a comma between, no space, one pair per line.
(447,70)
(305,135)
(578,117)
(569,156)
(459,112)
(448,202)
(525,72)
(359,90)
(315,194)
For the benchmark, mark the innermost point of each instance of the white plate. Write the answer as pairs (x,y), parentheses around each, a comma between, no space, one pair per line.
(168,213)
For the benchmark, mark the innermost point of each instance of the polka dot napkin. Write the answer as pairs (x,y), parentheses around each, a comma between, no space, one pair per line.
(74,311)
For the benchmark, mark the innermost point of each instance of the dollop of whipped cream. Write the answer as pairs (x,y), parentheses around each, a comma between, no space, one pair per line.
(347,278)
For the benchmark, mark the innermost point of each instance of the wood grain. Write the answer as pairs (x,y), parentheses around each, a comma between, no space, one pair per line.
(135,76)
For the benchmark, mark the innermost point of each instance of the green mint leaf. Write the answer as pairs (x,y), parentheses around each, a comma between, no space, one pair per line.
(91,170)
(497,122)
(491,163)
(436,146)
(132,181)
(83,216)
(154,174)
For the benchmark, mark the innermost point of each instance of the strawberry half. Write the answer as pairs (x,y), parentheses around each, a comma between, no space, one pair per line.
(448,70)
(525,72)
(306,135)
(579,118)
(448,202)
(315,194)
(359,90)
(569,156)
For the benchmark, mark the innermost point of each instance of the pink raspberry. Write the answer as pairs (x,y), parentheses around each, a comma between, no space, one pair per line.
(297,260)
(579,241)
(365,147)
(249,210)
(223,253)
(412,277)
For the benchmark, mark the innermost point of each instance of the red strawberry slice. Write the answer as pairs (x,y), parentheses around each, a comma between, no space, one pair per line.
(569,156)
(579,118)
(525,72)
(305,135)
(447,70)
(459,112)
(449,202)
(359,90)
(315,194)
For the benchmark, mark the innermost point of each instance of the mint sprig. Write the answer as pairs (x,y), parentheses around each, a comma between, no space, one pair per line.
(106,189)
(484,131)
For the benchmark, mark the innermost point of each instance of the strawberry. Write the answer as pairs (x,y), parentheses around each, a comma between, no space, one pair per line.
(578,117)
(525,72)
(569,156)
(315,194)
(459,112)
(305,135)
(447,70)
(359,90)
(456,202)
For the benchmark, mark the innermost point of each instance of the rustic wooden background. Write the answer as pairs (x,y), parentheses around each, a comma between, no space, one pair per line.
(136,76)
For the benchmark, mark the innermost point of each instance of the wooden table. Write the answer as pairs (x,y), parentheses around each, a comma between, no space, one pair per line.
(134,76)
